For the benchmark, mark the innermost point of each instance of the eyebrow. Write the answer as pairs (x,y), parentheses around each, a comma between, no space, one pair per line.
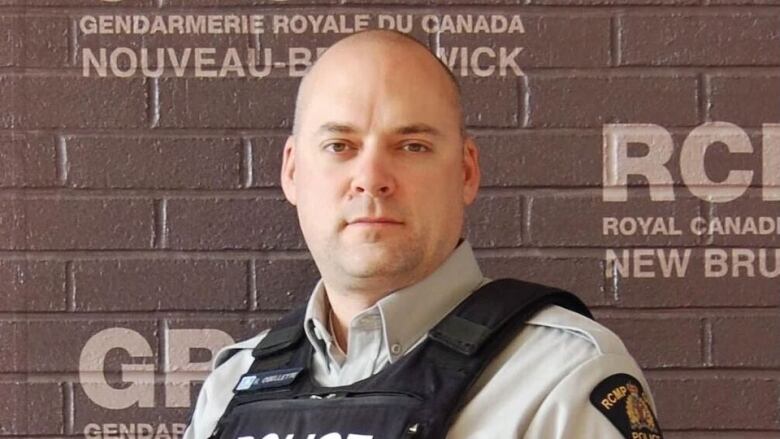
(415,128)
(335,128)
(418,128)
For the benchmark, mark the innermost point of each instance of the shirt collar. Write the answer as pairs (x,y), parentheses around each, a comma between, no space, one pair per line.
(409,313)
(315,323)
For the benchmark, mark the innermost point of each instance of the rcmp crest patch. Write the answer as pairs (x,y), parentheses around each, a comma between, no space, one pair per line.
(622,400)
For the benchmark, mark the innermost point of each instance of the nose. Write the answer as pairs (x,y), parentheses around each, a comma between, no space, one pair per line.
(373,175)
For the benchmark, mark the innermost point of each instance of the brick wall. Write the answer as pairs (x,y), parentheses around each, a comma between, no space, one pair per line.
(142,216)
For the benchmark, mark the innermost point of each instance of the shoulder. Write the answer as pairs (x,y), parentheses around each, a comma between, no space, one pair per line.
(571,325)
(557,359)
(554,343)
(557,343)
(228,365)
(596,355)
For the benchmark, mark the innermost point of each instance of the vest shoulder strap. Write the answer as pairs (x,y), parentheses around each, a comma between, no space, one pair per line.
(494,306)
(285,335)
(481,315)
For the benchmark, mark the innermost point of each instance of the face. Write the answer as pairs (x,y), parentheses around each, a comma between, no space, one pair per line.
(378,170)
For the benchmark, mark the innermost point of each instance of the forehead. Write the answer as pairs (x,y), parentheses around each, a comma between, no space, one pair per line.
(379,89)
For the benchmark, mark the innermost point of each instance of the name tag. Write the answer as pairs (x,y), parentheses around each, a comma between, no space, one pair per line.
(267,380)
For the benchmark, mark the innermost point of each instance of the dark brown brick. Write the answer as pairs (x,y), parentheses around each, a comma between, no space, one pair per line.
(740,434)
(561,158)
(742,2)
(577,219)
(696,287)
(267,160)
(491,102)
(590,100)
(696,39)
(718,160)
(237,327)
(27,285)
(227,103)
(283,284)
(71,101)
(746,341)
(747,100)
(281,42)
(167,403)
(31,409)
(615,2)
(730,403)
(548,41)
(221,224)
(157,162)
(38,224)
(157,45)
(748,208)
(540,159)
(495,221)
(222,3)
(219,42)
(117,422)
(56,345)
(154,285)
(103,45)
(659,341)
(33,41)
(583,276)
(59,3)
(28,161)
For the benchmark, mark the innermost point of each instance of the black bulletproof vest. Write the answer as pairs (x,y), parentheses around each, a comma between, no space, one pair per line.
(417,396)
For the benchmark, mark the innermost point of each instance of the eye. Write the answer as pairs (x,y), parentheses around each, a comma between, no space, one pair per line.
(415,147)
(336,147)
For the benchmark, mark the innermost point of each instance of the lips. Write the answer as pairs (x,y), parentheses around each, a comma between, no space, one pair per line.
(376,220)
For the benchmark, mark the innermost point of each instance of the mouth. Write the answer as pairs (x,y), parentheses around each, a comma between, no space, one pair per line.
(374,222)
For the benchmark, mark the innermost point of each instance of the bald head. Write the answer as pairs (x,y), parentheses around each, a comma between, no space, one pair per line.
(382,53)
(378,167)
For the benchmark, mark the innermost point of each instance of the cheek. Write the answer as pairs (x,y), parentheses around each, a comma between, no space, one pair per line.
(315,184)
(317,201)
(439,196)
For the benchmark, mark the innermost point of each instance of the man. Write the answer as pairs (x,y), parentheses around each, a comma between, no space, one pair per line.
(380,170)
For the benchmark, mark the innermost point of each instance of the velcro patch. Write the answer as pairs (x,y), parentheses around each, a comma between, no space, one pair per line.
(622,400)
(267,380)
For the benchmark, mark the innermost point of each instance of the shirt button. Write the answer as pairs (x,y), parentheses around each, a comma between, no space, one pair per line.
(395,348)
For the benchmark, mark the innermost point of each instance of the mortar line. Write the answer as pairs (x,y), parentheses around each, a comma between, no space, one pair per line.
(61,150)
(73,42)
(252,284)
(525,96)
(153,110)
(70,287)
(163,346)
(159,233)
(705,88)
(615,49)
(707,341)
(68,408)
(245,168)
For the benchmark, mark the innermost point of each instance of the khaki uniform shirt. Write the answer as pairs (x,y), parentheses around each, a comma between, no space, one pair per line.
(537,388)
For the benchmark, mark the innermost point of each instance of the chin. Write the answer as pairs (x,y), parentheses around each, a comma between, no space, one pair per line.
(379,261)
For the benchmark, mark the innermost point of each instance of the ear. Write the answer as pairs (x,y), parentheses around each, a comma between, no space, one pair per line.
(471,174)
(288,170)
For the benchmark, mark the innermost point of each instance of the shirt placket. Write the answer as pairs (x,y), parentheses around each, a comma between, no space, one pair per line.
(364,350)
